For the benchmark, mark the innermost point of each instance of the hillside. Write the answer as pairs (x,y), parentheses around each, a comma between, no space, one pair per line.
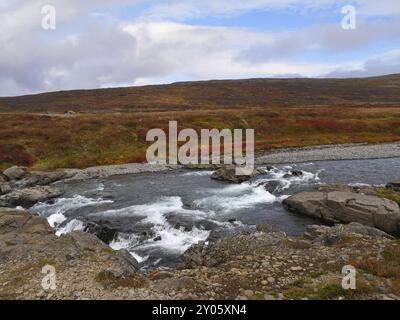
(252,93)
(110,125)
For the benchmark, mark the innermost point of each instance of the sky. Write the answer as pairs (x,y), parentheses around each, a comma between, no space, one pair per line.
(100,43)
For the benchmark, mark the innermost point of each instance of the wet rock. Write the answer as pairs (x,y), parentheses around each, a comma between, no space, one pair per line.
(270,186)
(293,173)
(159,238)
(228,173)
(30,196)
(102,231)
(347,207)
(394,185)
(15,173)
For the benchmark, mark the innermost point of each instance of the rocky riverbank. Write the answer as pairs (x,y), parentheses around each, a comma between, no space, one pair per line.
(330,152)
(263,264)
(21,187)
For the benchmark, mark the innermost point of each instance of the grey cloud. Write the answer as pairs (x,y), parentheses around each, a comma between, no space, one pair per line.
(372,67)
(330,39)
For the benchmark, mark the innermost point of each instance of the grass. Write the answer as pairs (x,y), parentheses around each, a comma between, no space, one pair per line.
(327,292)
(388,266)
(45,142)
(389,194)
(330,291)
(109,280)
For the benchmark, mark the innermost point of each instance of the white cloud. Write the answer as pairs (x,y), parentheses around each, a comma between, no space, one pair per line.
(99,52)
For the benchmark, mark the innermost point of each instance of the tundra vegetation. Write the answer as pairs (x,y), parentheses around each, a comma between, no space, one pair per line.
(109,126)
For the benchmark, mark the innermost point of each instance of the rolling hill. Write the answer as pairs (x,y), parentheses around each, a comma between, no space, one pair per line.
(109,126)
(252,93)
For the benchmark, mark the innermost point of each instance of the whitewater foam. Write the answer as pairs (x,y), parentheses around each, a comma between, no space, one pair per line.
(236,197)
(73,225)
(55,211)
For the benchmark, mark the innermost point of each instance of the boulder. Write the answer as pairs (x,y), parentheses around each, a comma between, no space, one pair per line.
(12,220)
(15,173)
(270,186)
(228,173)
(25,237)
(337,206)
(28,197)
(394,185)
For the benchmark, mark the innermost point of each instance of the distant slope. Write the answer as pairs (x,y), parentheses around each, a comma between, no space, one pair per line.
(376,91)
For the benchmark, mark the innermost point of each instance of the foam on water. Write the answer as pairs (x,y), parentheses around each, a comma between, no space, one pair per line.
(73,225)
(175,240)
(154,213)
(62,205)
(54,212)
(287,182)
(172,239)
(236,197)
(56,219)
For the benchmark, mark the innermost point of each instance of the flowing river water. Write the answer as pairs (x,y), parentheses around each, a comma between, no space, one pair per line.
(160,215)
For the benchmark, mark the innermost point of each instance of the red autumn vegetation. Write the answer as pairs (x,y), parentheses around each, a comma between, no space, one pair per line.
(110,125)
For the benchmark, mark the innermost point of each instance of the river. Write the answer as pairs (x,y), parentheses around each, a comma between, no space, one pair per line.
(160,215)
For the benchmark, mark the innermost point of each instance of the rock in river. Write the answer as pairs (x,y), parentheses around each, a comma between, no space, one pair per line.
(347,207)
(228,173)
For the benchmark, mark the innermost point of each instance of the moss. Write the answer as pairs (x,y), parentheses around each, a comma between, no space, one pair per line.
(109,250)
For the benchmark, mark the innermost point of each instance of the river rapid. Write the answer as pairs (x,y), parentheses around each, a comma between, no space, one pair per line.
(158,216)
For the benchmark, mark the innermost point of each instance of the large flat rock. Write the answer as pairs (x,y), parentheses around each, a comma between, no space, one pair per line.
(339,206)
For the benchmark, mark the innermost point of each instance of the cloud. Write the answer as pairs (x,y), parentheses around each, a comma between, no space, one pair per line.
(90,50)
(388,63)
(328,39)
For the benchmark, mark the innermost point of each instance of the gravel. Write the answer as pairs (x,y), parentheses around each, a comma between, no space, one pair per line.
(331,152)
